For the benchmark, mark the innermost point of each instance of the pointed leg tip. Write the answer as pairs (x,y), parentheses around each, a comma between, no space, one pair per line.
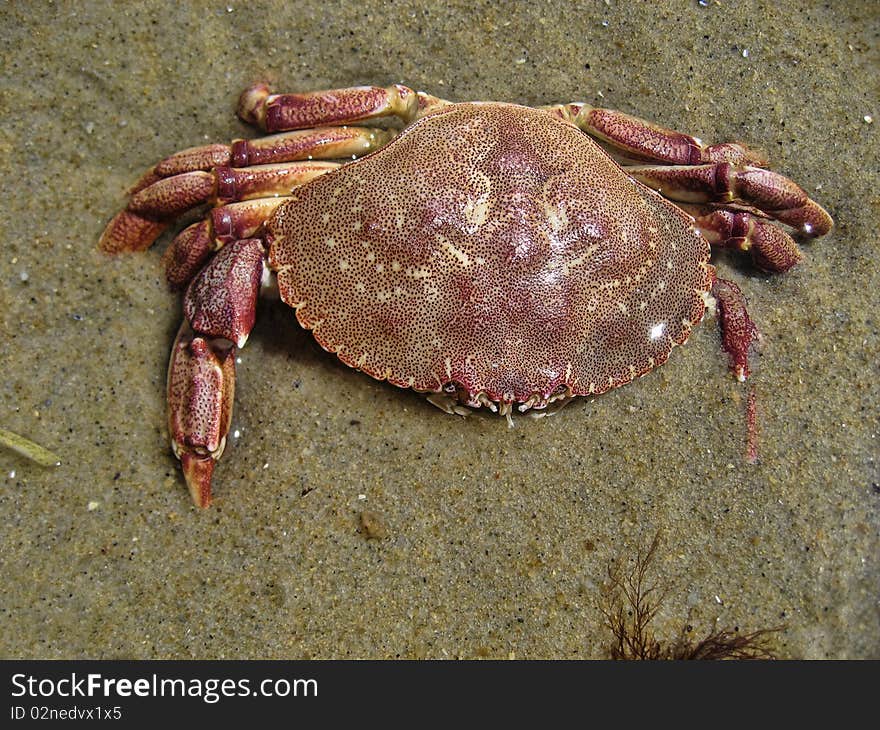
(251,107)
(129,231)
(198,470)
(819,221)
(772,248)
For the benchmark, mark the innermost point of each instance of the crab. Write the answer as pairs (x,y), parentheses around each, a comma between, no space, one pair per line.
(489,255)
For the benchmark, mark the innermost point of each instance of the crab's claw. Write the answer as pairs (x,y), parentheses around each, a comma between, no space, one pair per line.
(201,384)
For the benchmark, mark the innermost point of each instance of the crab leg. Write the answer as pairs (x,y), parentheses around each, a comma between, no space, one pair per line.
(738,331)
(190,249)
(772,249)
(201,386)
(636,139)
(185,179)
(738,334)
(726,184)
(279,112)
(219,173)
(220,308)
(221,301)
(151,208)
(729,174)
(324,143)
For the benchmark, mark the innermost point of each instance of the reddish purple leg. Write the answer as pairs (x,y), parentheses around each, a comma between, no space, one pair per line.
(219,173)
(201,386)
(729,176)
(738,334)
(152,208)
(771,248)
(221,300)
(220,307)
(223,260)
(743,186)
(325,143)
(279,112)
(632,139)
(192,247)
(738,331)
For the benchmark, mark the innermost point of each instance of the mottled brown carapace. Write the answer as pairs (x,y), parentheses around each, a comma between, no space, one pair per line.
(495,248)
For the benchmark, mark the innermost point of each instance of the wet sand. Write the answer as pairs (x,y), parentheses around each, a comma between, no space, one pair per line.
(492,542)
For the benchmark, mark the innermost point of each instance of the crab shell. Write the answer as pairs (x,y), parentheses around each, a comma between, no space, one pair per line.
(493,251)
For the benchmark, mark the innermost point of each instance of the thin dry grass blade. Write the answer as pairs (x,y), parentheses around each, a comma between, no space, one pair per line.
(28,449)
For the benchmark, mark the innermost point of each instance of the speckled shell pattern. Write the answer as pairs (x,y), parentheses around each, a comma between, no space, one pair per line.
(494,249)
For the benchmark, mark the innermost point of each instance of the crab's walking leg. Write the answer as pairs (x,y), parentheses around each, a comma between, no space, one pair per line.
(738,334)
(279,112)
(187,178)
(738,331)
(638,140)
(323,143)
(726,184)
(219,173)
(190,249)
(152,208)
(771,248)
(729,174)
